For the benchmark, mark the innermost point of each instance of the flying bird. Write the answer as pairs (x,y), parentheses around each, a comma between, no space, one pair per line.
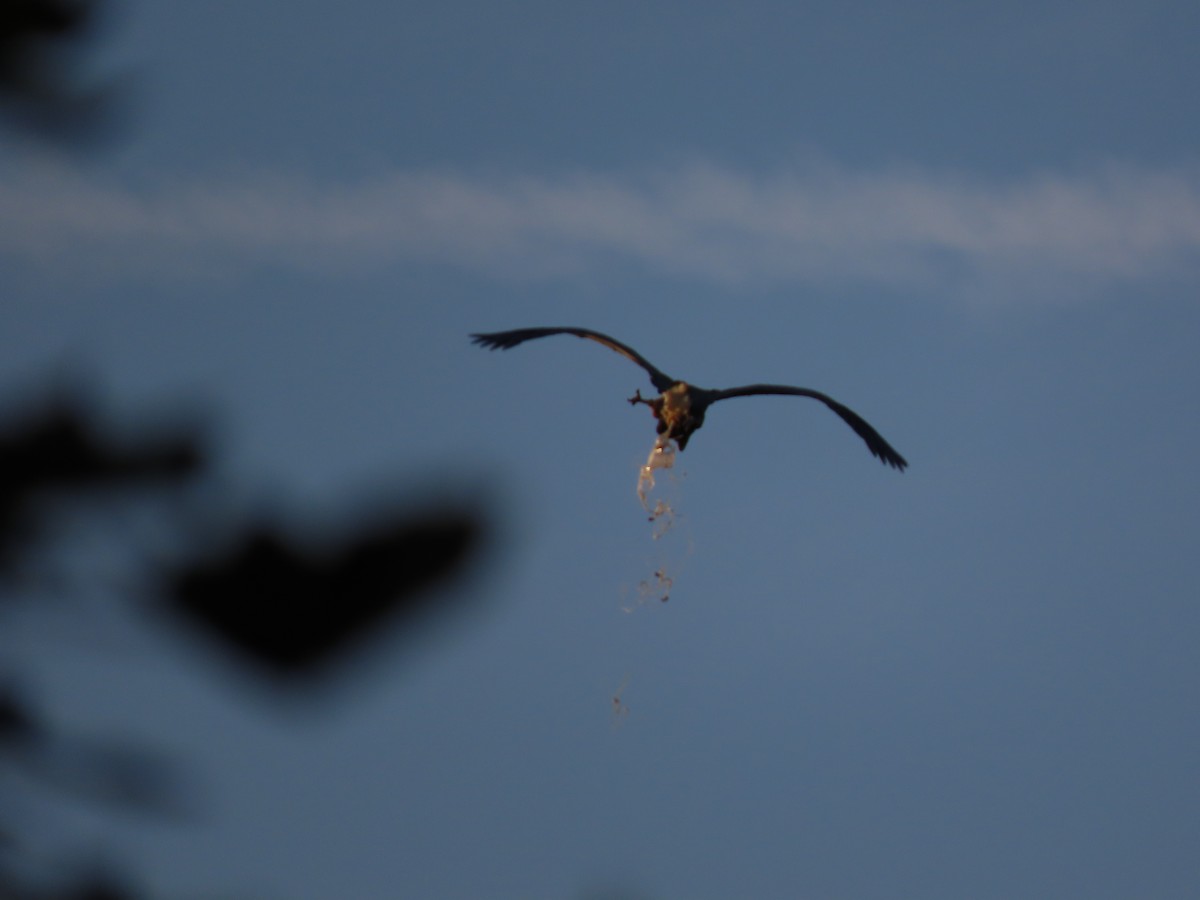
(680,407)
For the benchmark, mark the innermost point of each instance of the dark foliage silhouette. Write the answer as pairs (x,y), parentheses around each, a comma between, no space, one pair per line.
(96,770)
(39,42)
(115,774)
(291,607)
(58,451)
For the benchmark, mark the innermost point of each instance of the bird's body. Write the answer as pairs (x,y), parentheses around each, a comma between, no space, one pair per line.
(680,407)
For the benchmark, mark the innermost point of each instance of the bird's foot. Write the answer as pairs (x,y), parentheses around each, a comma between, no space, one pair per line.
(638,398)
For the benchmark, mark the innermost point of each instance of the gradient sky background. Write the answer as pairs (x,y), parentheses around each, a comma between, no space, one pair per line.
(976,224)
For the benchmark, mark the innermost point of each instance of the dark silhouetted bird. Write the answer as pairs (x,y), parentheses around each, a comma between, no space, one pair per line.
(680,407)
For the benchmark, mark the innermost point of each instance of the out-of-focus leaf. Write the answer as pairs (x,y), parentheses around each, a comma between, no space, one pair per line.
(292,608)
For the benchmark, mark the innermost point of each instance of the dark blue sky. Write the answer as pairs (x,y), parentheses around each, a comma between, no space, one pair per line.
(977,226)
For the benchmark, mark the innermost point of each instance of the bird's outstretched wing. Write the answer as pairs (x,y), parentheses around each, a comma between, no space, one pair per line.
(875,443)
(502,340)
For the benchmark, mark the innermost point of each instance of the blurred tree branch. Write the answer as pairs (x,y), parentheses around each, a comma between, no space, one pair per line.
(291,608)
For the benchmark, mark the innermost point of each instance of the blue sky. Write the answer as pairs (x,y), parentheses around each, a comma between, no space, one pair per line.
(977,225)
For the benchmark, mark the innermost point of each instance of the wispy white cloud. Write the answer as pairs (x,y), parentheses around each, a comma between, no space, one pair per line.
(703,222)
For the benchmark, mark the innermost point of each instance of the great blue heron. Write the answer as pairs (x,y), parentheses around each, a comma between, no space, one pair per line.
(680,407)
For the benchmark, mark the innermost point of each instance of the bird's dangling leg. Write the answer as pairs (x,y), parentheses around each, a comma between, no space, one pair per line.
(655,405)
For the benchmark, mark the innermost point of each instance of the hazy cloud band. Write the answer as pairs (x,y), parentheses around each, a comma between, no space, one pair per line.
(702,222)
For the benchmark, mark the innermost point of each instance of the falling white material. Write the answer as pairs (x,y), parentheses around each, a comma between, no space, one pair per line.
(662,456)
(662,517)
